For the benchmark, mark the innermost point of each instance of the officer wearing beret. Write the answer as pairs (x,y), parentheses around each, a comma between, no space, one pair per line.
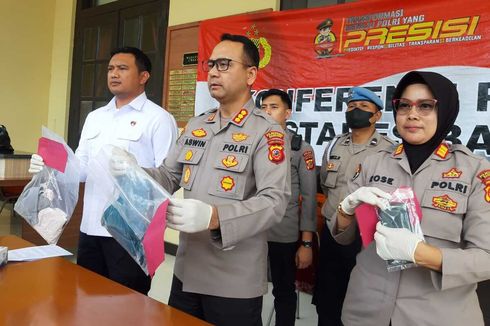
(340,164)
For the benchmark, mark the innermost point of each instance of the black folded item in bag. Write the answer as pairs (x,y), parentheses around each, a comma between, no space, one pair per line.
(5,146)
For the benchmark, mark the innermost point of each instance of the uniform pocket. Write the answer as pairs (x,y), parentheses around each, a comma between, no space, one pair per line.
(443,214)
(231,162)
(332,169)
(229,178)
(190,157)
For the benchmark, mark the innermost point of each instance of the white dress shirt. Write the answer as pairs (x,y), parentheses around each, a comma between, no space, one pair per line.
(140,127)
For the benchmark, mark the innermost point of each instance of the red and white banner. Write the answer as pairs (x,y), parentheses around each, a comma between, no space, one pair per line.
(318,54)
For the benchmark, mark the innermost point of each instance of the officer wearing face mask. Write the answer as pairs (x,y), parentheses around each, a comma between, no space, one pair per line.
(341,163)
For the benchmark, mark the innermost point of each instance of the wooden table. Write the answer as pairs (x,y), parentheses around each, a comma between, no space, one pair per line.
(54,291)
(14,182)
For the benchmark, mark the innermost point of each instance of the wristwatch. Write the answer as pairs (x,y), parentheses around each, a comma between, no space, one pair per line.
(306,244)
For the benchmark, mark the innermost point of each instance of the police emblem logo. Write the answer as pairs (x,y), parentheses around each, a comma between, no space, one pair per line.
(240,116)
(276,153)
(484,177)
(189,155)
(453,173)
(187,174)
(444,203)
(239,136)
(230,161)
(309,160)
(227,183)
(199,133)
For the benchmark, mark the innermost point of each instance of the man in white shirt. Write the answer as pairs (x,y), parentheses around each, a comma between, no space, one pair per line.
(135,124)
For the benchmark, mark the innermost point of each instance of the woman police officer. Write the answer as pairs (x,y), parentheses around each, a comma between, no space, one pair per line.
(453,187)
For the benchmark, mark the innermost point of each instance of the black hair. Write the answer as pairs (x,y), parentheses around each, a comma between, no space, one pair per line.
(142,61)
(250,51)
(283,95)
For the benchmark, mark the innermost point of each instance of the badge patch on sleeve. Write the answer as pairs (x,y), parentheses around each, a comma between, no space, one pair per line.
(444,203)
(276,153)
(227,183)
(199,133)
(452,174)
(484,176)
(309,160)
(330,166)
(275,139)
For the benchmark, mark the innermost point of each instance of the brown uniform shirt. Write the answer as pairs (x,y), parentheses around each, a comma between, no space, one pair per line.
(243,169)
(453,188)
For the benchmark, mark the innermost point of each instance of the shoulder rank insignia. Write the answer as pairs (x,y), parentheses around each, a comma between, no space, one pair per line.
(398,150)
(240,116)
(199,133)
(227,183)
(309,160)
(230,161)
(239,136)
(484,176)
(442,150)
(452,174)
(444,203)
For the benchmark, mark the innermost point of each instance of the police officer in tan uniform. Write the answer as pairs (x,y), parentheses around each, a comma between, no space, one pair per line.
(341,163)
(233,164)
(284,254)
(453,188)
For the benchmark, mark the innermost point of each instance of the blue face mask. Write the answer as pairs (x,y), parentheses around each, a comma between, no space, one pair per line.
(358,118)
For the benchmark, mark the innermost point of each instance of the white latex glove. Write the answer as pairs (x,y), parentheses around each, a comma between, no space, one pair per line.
(188,215)
(369,195)
(394,243)
(37,164)
(121,161)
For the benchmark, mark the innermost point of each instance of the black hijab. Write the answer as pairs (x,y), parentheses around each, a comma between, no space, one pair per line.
(446,95)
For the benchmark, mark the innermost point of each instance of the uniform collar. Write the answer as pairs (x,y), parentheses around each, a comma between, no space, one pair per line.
(372,141)
(136,104)
(441,153)
(238,119)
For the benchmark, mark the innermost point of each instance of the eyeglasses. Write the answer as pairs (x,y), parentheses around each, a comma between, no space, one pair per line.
(403,106)
(222,64)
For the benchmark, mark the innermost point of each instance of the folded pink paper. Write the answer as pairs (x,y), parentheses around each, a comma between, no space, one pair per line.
(366,220)
(153,240)
(54,154)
